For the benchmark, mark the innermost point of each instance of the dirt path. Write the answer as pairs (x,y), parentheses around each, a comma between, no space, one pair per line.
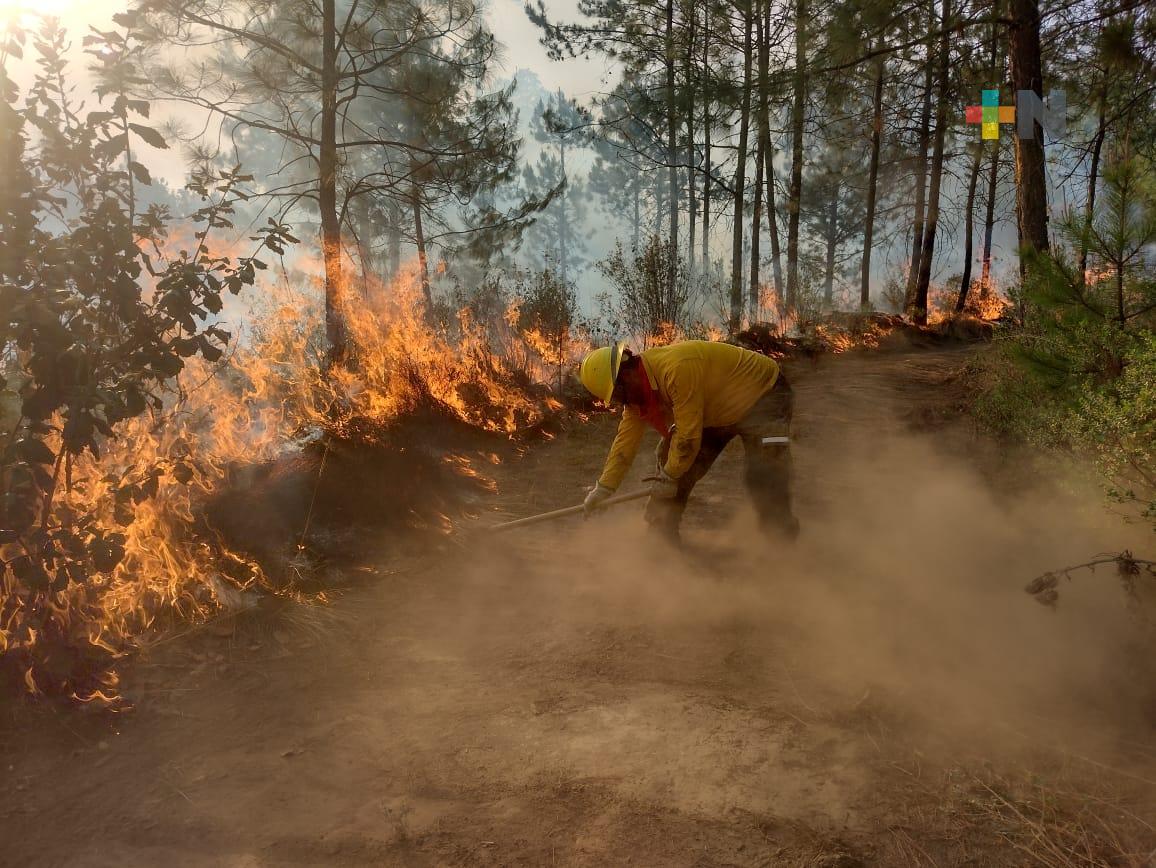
(884,693)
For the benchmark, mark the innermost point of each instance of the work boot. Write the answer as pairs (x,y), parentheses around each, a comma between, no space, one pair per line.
(663,518)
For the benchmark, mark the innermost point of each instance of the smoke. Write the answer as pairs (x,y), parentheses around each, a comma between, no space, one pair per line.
(904,594)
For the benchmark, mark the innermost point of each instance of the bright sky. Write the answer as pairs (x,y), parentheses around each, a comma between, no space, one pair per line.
(521,48)
(579,78)
(59,8)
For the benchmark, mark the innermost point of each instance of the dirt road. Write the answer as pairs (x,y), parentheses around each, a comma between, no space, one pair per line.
(883,693)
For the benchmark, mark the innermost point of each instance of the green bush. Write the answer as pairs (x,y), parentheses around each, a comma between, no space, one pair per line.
(1079,374)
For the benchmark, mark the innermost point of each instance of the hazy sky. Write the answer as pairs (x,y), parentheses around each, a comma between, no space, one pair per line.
(508,20)
(579,78)
(520,49)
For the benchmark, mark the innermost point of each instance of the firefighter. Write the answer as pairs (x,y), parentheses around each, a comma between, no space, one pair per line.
(698,395)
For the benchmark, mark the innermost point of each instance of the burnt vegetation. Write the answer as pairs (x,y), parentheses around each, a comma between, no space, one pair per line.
(373,281)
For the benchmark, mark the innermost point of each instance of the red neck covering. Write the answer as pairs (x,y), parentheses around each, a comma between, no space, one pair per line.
(651,409)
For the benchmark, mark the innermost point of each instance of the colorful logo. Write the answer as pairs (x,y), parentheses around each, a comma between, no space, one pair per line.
(989,114)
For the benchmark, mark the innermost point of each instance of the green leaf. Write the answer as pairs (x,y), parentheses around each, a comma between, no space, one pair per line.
(210,352)
(110,147)
(150,135)
(34,451)
(140,172)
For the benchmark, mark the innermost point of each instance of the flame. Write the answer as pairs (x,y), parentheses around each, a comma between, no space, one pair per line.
(265,399)
(984,302)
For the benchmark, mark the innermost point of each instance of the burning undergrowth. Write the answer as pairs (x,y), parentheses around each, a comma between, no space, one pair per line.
(259,470)
(842,332)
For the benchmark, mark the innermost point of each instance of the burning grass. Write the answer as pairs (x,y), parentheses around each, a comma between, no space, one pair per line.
(265,436)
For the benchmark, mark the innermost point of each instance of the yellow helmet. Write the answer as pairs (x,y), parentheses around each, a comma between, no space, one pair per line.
(599,370)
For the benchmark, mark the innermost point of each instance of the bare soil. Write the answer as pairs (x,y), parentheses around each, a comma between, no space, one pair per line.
(882,693)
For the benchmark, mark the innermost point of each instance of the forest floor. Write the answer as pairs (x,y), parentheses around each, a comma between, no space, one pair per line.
(881,693)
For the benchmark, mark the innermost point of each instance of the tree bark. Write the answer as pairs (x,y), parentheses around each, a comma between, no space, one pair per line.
(769,172)
(1093,174)
(706,134)
(365,255)
(327,189)
(636,221)
(989,221)
(795,194)
(394,248)
(929,229)
(691,169)
(872,186)
(993,173)
(1031,182)
(419,238)
(832,243)
(969,230)
(563,215)
(764,52)
(921,172)
(671,142)
(773,223)
(736,316)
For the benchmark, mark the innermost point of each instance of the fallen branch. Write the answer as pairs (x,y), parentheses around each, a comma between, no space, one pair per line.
(1043,587)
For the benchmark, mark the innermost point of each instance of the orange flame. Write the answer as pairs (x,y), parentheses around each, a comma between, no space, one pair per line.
(267,396)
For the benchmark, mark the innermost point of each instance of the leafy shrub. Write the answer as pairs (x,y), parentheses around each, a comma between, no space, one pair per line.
(1080,373)
(96,325)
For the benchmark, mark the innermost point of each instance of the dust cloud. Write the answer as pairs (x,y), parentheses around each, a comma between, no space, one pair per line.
(903,599)
(910,580)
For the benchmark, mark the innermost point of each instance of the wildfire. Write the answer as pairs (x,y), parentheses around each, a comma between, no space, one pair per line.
(984,302)
(267,397)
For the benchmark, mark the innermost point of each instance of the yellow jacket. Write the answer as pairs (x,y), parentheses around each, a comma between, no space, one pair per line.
(702,385)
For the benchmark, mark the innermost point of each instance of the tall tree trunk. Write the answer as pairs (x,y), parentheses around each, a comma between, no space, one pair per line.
(773,223)
(753,300)
(772,205)
(832,243)
(764,52)
(1093,176)
(691,168)
(993,175)
(659,207)
(872,186)
(989,220)
(929,229)
(671,142)
(636,220)
(327,189)
(394,251)
(921,170)
(706,134)
(563,215)
(741,178)
(1027,74)
(365,255)
(419,238)
(798,119)
(969,229)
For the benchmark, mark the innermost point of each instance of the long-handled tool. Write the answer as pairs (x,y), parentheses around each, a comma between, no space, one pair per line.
(569,510)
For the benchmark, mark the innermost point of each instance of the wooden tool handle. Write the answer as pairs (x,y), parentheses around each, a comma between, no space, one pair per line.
(569,510)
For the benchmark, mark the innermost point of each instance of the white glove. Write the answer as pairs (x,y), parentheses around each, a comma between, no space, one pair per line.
(594,498)
(663,486)
(662,450)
